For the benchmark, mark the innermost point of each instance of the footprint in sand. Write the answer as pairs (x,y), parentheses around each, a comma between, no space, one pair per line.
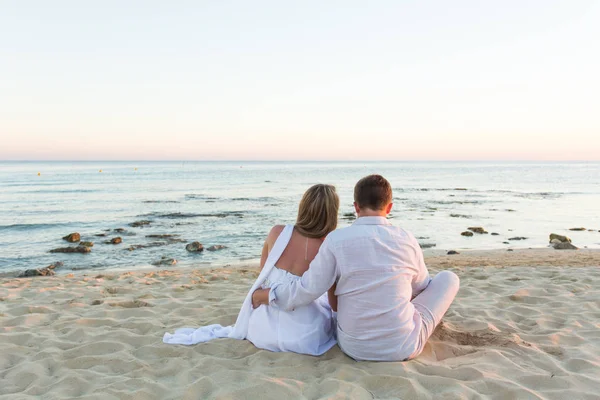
(131,304)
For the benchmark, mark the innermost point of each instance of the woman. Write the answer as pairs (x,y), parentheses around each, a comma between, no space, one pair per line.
(287,253)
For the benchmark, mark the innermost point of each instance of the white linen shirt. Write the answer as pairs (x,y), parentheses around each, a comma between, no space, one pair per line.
(378,268)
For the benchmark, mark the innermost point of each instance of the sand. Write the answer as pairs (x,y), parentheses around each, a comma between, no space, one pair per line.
(526,324)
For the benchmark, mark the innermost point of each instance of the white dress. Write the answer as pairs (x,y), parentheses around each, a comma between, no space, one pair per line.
(308,329)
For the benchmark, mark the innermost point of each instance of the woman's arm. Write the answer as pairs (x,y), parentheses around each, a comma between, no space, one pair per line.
(332,297)
(269,242)
(264,255)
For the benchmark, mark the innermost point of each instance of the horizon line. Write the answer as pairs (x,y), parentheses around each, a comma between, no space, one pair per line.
(306,160)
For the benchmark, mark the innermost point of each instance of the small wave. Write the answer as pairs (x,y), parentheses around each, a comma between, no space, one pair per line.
(50,191)
(179,215)
(193,196)
(266,198)
(25,227)
(457,189)
(532,195)
(456,202)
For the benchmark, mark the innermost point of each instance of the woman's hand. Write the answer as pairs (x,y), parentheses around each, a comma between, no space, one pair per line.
(260,297)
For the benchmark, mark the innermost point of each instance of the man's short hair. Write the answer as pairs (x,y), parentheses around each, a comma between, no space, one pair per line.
(373,192)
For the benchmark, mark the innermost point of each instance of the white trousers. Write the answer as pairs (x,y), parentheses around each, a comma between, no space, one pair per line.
(433,302)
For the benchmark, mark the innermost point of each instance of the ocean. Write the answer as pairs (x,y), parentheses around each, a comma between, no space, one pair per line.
(234,204)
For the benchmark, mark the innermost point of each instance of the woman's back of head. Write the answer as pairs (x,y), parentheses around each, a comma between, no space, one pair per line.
(318,211)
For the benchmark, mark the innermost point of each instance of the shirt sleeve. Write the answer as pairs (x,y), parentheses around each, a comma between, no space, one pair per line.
(421,279)
(319,277)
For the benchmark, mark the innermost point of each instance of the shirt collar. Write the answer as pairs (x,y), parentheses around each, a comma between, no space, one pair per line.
(371,221)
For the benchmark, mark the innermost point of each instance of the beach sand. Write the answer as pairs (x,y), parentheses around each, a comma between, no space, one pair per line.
(525,324)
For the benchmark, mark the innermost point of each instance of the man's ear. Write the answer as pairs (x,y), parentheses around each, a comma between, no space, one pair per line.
(356,208)
(388,208)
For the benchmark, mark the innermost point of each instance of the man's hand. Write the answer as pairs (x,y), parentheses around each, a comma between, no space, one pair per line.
(260,297)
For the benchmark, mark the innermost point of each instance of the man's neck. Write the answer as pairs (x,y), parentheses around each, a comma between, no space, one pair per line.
(371,213)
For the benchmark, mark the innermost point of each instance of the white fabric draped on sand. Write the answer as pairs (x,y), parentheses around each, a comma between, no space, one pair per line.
(190,336)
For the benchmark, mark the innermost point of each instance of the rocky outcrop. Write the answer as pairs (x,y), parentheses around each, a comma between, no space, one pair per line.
(139,224)
(559,238)
(78,249)
(467,233)
(560,242)
(47,271)
(460,216)
(72,237)
(564,246)
(194,247)
(477,229)
(216,247)
(162,236)
(165,261)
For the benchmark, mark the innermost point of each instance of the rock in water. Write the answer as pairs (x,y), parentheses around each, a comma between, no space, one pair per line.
(194,247)
(467,233)
(138,224)
(47,271)
(477,229)
(215,247)
(564,246)
(86,244)
(165,261)
(78,249)
(577,229)
(427,245)
(495,234)
(72,237)
(560,238)
(451,252)
(518,238)
(116,240)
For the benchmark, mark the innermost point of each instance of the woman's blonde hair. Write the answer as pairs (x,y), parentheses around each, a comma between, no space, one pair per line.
(318,211)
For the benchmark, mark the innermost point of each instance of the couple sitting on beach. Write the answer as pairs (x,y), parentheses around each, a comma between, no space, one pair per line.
(365,286)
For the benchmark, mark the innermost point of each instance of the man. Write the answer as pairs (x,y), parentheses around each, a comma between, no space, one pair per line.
(388,306)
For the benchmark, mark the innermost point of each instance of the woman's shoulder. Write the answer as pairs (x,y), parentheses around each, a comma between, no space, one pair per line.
(274,233)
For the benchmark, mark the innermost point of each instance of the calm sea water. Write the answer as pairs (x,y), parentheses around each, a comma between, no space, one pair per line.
(235,204)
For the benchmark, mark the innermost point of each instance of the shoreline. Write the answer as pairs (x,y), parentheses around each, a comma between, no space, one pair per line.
(434,258)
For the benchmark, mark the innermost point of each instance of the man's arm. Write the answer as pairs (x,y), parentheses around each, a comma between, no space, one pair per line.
(332,297)
(319,277)
(422,278)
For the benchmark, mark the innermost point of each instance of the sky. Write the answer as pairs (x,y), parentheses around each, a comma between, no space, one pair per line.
(299,80)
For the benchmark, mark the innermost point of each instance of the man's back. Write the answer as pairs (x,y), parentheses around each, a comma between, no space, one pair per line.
(379,269)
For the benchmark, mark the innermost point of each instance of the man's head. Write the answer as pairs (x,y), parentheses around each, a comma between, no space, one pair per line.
(373,196)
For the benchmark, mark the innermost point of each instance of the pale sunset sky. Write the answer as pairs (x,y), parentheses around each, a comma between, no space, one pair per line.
(302,80)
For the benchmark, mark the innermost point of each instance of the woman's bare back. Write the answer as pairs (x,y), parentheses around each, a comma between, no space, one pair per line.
(298,254)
